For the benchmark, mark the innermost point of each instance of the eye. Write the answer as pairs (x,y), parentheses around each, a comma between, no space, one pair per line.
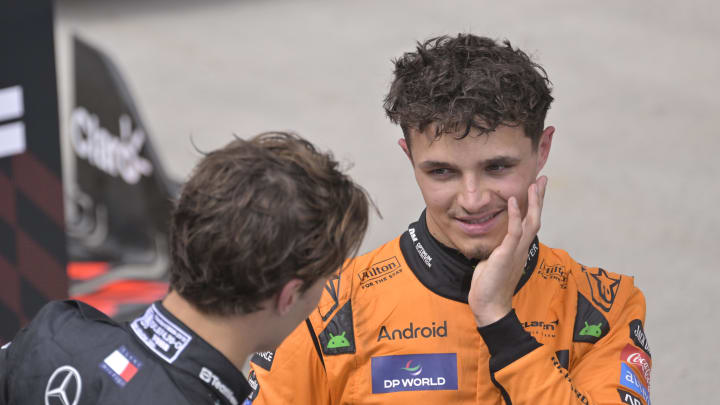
(497,168)
(440,172)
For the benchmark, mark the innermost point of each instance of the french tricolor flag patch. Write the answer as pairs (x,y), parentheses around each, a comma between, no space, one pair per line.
(121,365)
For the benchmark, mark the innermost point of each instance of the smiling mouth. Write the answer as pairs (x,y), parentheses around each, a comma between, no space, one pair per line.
(478,221)
(480,226)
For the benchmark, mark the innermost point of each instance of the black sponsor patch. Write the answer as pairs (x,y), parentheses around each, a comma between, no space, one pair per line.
(339,335)
(629,398)
(263,359)
(590,324)
(637,334)
(604,288)
(254,385)
(563,357)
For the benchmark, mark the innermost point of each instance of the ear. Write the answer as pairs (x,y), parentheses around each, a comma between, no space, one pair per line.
(404,146)
(544,147)
(288,296)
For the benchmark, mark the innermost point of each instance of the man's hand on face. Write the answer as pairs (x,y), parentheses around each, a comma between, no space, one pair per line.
(495,279)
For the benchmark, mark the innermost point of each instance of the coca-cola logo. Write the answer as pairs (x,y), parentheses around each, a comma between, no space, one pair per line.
(639,360)
(118,156)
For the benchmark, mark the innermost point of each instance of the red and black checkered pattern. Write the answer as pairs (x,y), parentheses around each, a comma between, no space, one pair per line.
(32,240)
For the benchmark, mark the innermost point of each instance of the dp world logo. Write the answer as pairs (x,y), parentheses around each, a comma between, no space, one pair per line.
(63,387)
(414,372)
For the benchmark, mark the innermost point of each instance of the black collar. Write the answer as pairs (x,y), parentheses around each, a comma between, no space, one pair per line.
(446,271)
(178,346)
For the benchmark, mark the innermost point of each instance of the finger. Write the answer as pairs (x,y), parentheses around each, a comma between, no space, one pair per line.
(531,223)
(515,218)
(515,228)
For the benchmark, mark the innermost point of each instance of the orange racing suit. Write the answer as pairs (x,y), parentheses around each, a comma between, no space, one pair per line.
(395,328)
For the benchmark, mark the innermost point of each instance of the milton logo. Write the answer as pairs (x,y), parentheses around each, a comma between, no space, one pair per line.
(379,272)
(414,372)
(378,269)
(412,332)
(553,272)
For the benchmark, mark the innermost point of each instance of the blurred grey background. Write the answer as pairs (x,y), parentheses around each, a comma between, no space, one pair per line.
(633,170)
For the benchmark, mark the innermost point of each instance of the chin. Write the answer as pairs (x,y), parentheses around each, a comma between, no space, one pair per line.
(479,251)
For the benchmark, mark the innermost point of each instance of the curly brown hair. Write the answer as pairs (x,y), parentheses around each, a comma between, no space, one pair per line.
(258,213)
(468,82)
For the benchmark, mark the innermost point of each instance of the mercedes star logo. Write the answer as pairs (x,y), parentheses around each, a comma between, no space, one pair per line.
(64,386)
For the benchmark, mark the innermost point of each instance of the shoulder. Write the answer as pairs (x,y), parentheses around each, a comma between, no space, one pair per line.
(607,291)
(357,273)
(70,339)
(333,321)
(60,321)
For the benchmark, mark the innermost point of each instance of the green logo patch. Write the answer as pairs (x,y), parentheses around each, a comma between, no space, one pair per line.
(337,341)
(591,330)
(590,324)
(338,337)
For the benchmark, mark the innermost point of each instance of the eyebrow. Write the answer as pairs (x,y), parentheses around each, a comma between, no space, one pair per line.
(497,160)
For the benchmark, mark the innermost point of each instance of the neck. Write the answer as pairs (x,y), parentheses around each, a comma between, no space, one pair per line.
(233,336)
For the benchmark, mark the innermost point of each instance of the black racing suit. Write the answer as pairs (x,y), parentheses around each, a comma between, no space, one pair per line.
(72,354)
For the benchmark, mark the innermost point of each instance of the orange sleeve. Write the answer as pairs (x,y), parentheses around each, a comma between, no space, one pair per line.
(293,374)
(614,370)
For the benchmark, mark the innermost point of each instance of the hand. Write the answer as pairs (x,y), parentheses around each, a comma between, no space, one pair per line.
(495,279)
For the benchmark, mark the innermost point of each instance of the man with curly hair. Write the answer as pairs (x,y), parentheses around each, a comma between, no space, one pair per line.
(467,306)
(258,229)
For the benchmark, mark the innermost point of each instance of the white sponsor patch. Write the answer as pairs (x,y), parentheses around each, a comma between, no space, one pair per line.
(160,335)
(11,103)
(12,139)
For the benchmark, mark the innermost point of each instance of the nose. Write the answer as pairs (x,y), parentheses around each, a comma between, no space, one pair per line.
(473,197)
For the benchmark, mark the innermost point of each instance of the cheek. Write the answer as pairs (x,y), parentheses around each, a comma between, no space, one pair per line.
(515,186)
(437,196)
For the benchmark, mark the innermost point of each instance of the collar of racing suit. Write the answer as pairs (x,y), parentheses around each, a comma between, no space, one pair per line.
(179,347)
(444,270)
